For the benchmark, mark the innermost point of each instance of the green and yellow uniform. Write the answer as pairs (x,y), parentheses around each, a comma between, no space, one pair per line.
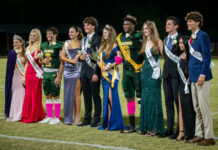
(130,46)
(52,52)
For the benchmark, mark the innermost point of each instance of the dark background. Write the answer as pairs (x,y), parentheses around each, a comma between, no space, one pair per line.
(20,16)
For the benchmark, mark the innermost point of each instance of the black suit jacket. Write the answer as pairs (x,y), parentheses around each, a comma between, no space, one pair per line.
(170,67)
(86,70)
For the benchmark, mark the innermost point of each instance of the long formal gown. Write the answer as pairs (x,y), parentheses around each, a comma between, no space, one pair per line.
(188,112)
(32,106)
(151,113)
(71,75)
(18,93)
(116,119)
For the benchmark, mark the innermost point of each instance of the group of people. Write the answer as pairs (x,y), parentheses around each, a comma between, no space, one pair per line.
(85,61)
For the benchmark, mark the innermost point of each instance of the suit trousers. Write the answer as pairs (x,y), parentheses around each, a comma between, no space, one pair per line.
(171,88)
(91,90)
(201,102)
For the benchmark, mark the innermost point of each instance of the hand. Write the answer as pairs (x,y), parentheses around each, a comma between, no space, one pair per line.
(24,81)
(45,61)
(201,80)
(74,61)
(83,57)
(94,78)
(106,68)
(77,56)
(57,81)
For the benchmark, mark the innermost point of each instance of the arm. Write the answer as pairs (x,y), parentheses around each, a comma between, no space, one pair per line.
(160,45)
(61,70)
(65,59)
(24,76)
(206,54)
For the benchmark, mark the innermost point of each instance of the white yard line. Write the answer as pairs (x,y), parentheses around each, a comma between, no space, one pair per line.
(64,142)
(215,113)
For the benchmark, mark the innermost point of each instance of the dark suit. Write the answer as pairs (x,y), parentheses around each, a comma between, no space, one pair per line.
(91,89)
(171,84)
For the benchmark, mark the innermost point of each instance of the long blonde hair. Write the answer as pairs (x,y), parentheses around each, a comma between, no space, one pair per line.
(107,44)
(39,39)
(154,35)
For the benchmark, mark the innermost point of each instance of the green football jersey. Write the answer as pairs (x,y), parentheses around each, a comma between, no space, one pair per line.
(134,42)
(52,52)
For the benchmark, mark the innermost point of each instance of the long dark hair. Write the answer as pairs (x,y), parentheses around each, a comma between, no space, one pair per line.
(78,29)
(185,40)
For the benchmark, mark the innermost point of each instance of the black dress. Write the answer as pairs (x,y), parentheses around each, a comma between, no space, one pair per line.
(188,112)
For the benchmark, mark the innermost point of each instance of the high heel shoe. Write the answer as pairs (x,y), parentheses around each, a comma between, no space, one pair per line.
(180,138)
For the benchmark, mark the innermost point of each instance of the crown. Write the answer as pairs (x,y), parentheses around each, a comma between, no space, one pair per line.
(131,17)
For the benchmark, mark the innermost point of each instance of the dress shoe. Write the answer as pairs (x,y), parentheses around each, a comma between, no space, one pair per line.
(83,124)
(165,134)
(173,137)
(207,142)
(95,124)
(194,140)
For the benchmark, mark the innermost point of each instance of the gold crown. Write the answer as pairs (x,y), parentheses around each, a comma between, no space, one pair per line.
(131,17)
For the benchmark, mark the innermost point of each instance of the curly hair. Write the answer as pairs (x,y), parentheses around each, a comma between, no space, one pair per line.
(91,20)
(196,16)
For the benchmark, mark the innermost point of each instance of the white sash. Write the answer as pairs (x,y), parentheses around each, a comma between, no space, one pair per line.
(68,54)
(88,60)
(155,65)
(39,72)
(66,49)
(198,55)
(176,59)
(194,53)
(20,65)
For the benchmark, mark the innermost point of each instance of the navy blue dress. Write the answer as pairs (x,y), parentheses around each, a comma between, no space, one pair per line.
(116,118)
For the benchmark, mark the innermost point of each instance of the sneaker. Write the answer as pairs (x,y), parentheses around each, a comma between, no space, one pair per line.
(46,120)
(55,121)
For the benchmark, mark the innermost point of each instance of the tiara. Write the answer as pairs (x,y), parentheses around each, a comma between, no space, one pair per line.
(131,17)
(108,26)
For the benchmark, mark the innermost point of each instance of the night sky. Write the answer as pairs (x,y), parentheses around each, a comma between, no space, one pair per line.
(52,12)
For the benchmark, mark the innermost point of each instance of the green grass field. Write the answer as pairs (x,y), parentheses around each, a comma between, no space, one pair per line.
(92,135)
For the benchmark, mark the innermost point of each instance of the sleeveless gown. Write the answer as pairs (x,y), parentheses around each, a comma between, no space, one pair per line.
(116,119)
(32,106)
(151,113)
(71,75)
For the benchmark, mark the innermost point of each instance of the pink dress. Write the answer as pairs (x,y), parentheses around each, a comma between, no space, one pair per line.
(18,93)
(32,106)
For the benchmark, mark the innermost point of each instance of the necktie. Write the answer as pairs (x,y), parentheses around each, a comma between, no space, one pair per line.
(169,44)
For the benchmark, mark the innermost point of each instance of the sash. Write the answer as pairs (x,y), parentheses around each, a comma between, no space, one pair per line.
(194,53)
(88,60)
(126,53)
(39,72)
(176,59)
(105,74)
(197,54)
(66,49)
(155,65)
(19,65)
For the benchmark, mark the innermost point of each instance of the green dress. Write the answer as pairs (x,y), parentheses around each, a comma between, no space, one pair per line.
(151,113)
